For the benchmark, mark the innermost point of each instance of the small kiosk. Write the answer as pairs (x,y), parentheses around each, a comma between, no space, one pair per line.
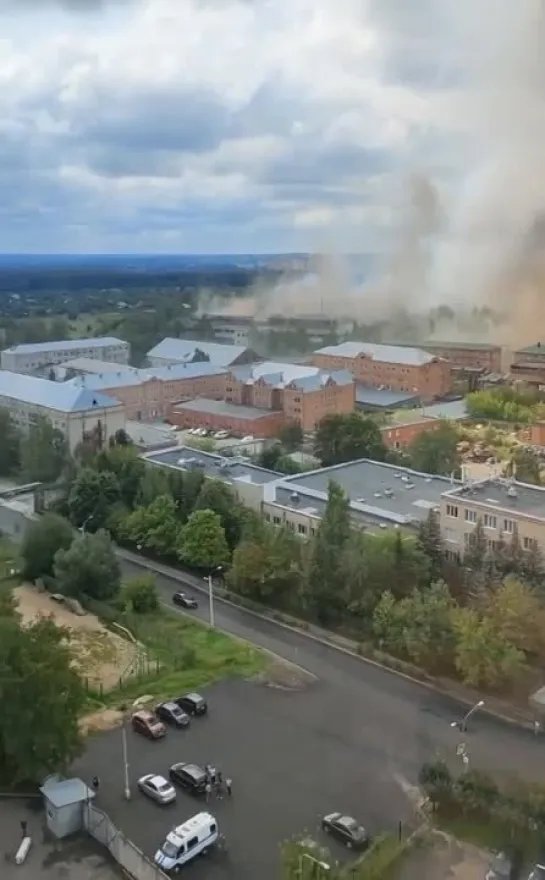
(65,800)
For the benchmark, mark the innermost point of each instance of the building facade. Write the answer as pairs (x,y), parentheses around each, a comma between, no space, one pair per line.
(78,413)
(528,366)
(466,355)
(31,358)
(402,435)
(389,367)
(503,506)
(216,415)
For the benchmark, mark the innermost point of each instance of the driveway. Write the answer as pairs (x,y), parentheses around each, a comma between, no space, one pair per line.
(292,756)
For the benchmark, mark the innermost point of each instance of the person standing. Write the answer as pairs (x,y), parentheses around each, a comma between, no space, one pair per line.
(207,791)
(229,787)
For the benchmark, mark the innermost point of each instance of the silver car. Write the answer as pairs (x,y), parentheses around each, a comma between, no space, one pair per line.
(157,788)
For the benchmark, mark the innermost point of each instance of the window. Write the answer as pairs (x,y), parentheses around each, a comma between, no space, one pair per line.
(509,526)
(276,520)
(452,510)
(490,522)
(471,516)
(193,842)
(529,543)
(301,529)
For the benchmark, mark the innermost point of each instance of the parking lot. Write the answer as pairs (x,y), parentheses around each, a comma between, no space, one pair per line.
(292,760)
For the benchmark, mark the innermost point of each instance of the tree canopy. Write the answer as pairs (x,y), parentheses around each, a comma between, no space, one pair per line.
(89,567)
(435,451)
(44,453)
(347,437)
(202,541)
(42,539)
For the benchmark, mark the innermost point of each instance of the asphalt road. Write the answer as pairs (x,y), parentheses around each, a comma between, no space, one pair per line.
(351,741)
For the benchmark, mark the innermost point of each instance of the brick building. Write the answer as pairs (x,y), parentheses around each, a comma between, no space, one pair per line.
(465,355)
(401,436)
(528,366)
(303,393)
(147,394)
(395,367)
(217,415)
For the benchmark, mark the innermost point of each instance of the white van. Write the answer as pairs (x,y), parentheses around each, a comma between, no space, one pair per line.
(187,841)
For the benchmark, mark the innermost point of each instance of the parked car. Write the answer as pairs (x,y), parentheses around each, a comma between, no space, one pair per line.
(157,788)
(148,725)
(172,714)
(538,871)
(347,830)
(193,704)
(185,601)
(192,777)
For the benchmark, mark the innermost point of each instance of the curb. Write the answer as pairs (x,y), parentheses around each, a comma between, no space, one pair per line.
(430,686)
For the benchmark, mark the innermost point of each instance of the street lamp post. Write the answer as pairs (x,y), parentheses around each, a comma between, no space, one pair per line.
(126,774)
(211,594)
(462,724)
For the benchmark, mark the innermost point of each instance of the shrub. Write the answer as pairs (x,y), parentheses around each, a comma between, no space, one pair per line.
(140,594)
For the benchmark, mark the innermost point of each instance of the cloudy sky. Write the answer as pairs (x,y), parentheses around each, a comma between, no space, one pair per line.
(218,125)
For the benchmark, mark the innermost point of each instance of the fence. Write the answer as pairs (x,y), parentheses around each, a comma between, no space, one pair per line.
(123,850)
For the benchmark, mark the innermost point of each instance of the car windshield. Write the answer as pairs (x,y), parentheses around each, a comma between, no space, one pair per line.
(350,825)
(169,849)
(173,709)
(164,786)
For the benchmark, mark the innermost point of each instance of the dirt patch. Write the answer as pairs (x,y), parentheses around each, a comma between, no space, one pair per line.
(101,656)
(284,675)
(444,858)
(97,722)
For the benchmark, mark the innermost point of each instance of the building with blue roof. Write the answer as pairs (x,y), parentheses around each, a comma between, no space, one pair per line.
(72,409)
(35,357)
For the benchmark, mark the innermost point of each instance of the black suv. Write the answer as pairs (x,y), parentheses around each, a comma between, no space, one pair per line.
(193,704)
(191,777)
(172,714)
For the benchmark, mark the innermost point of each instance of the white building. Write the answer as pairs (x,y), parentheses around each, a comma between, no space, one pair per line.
(29,358)
(75,411)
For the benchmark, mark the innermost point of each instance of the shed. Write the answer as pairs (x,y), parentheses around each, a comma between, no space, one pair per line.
(64,803)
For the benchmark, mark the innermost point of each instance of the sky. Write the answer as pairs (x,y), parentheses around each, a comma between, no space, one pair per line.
(221,126)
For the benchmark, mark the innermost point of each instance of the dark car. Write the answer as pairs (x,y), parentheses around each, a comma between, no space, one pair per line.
(172,714)
(184,600)
(193,704)
(538,872)
(191,777)
(347,830)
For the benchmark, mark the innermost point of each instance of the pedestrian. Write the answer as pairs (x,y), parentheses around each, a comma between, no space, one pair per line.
(229,787)
(207,791)
(537,727)
(23,828)
(219,789)
(95,783)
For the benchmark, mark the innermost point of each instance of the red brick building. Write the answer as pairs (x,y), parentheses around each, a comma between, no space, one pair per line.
(401,436)
(528,366)
(394,367)
(217,415)
(467,355)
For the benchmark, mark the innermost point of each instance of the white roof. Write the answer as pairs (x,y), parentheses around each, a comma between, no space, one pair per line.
(185,350)
(68,344)
(59,396)
(93,365)
(389,354)
(196,823)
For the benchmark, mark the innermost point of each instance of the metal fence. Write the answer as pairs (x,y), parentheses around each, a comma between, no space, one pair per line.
(123,850)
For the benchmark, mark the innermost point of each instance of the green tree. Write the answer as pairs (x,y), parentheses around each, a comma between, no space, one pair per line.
(428,634)
(518,616)
(154,483)
(435,451)
(268,567)
(202,541)
(431,543)
(325,587)
(291,436)
(483,656)
(41,696)
(347,437)
(44,453)
(503,404)
(140,594)
(41,541)
(91,497)
(10,456)
(525,466)
(89,567)
(270,455)
(155,527)
(129,469)
(475,553)
(216,496)
(389,623)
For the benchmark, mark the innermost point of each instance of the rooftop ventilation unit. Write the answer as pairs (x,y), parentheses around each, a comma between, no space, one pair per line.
(512,492)
(428,479)
(409,486)
(382,526)
(294,498)
(388,492)
(377,494)
(397,476)
(405,478)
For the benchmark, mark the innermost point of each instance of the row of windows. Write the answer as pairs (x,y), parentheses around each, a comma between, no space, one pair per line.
(490,521)
(527,543)
(301,529)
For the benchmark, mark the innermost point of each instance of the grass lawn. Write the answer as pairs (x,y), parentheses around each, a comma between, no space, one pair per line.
(190,654)
(492,835)
(90,323)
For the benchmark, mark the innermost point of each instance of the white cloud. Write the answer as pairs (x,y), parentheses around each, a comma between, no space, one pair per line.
(161,111)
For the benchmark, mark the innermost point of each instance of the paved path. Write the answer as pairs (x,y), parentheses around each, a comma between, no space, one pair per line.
(404,723)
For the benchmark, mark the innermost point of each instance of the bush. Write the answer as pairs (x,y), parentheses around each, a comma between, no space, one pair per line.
(436,780)
(140,594)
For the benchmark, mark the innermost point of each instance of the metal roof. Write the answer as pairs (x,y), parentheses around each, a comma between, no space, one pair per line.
(305,377)
(538,348)
(212,465)
(66,344)
(93,365)
(60,396)
(383,397)
(222,408)
(451,409)
(65,792)
(388,354)
(122,376)
(186,349)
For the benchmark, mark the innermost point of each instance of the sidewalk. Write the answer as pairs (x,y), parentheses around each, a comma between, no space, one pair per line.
(496,707)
